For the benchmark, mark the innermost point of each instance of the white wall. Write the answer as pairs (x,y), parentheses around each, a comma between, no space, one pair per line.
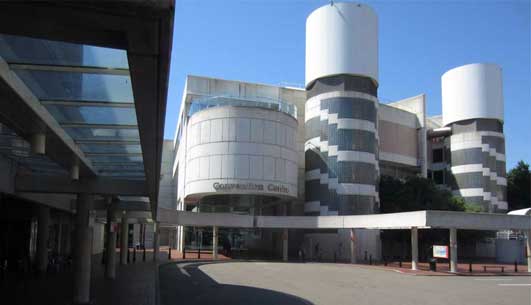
(472,91)
(241,145)
(342,39)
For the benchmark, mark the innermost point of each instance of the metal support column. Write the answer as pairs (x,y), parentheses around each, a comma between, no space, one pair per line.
(453,250)
(214,242)
(124,242)
(42,238)
(83,249)
(414,248)
(353,246)
(110,267)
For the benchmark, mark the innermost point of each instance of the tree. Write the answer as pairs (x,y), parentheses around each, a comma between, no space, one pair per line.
(519,187)
(415,193)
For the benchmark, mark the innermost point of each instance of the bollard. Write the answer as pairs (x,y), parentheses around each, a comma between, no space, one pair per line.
(365,256)
(169,253)
(515,266)
(184,253)
(385,261)
(370,259)
(134,255)
(470,267)
(198,253)
(400,263)
(144,254)
(103,256)
(335,257)
(128,260)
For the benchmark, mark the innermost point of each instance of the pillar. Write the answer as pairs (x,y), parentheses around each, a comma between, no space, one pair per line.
(83,249)
(453,250)
(214,242)
(42,238)
(285,245)
(353,246)
(414,248)
(38,143)
(528,244)
(155,242)
(124,240)
(110,248)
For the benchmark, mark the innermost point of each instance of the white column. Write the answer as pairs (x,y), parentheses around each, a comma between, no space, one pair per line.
(124,242)
(528,244)
(353,246)
(155,242)
(285,245)
(110,261)
(214,242)
(38,143)
(453,250)
(83,249)
(414,248)
(42,238)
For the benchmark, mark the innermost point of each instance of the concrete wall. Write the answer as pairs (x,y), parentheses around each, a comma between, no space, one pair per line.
(240,145)
(399,138)
(167,188)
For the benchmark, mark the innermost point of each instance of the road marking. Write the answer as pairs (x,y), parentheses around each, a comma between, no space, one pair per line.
(514,284)
(184,272)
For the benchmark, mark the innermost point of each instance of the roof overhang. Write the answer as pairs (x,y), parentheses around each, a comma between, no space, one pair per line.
(404,220)
(142,28)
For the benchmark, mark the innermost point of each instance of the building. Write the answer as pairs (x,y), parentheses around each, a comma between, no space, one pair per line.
(257,149)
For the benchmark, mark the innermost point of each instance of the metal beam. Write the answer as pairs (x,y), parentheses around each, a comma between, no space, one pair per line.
(22,112)
(64,185)
(70,69)
(103,126)
(108,142)
(89,103)
(114,154)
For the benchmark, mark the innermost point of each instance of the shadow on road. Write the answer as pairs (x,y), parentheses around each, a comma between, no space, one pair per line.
(185,283)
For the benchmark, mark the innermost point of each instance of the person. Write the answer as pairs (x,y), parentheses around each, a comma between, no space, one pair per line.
(317,251)
(301,255)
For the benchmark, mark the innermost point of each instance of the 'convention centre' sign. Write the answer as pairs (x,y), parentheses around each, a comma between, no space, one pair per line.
(271,187)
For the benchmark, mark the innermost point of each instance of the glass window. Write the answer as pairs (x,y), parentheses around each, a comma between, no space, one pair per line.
(117,159)
(438,155)
(20,49)
(103,134)
(93,115)
(438,177)
(110,148)
(54,85)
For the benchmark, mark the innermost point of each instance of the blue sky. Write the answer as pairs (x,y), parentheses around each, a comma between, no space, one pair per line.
(263,41)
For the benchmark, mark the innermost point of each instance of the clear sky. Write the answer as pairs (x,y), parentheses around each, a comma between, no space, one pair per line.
(263,41)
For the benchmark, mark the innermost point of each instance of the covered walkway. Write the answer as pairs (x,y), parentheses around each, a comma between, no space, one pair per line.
(407,220)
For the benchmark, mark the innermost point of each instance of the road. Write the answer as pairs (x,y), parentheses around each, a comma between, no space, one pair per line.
(238,283)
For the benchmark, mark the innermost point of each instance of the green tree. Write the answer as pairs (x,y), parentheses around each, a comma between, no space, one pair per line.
(519,187)
(415,193)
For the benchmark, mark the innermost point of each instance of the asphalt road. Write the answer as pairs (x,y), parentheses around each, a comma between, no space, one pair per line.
(235,283)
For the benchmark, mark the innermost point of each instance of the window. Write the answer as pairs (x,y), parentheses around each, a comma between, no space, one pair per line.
(438,177)
(438,155)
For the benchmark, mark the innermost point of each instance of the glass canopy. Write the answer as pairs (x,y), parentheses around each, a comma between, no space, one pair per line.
(87,89)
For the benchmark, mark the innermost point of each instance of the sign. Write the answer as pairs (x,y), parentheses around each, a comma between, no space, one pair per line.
(271,187)
(440,251)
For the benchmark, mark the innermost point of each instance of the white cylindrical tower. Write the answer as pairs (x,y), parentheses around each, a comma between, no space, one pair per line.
(472,92)
(342,38)
(472,102)
(341,117)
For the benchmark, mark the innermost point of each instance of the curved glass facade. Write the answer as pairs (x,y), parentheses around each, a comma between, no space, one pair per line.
(258,102)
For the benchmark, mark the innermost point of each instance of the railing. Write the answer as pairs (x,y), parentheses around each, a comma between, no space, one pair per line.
(259,102)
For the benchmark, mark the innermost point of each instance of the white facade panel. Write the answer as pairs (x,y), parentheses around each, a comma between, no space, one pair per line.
(471,92)
(237,158)
(342,38)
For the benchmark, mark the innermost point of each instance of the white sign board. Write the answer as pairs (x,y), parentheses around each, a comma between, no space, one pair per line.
(440,251)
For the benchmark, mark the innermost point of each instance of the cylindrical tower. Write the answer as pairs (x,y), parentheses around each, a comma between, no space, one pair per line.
(341,110)
(472,102)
